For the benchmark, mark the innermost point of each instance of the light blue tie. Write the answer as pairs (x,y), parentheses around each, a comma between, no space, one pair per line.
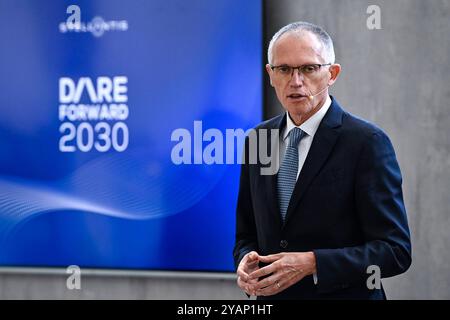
(287,175)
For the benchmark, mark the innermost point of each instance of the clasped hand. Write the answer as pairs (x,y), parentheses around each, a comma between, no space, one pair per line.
(283,270)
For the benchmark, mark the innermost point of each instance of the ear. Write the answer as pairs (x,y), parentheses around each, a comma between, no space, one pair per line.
(270,72)
(335,70)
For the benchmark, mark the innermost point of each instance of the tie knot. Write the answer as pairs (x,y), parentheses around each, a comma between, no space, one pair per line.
(295,136)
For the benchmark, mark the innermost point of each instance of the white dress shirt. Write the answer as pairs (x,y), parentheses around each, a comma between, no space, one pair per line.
(310,127)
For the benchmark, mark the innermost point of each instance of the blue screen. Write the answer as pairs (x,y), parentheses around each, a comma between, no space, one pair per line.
(105,158)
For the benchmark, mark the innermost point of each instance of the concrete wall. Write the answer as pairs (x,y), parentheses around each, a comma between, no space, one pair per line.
(396,77)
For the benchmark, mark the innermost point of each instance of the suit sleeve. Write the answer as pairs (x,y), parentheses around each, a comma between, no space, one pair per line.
(246,239)
(382,218)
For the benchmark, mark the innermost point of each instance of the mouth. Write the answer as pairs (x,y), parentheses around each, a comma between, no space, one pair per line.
(296,96)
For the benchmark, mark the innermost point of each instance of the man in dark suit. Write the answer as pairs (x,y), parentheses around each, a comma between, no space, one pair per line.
(333,211)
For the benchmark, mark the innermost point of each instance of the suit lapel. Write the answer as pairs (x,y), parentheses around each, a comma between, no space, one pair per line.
(322,145)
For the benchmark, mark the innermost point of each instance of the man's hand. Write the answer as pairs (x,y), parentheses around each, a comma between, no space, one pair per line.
(248,264)
(284,270)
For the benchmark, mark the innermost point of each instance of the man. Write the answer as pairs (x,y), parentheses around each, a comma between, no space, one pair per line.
(334,211)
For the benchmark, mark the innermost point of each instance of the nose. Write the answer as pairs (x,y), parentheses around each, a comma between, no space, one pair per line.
(297,78)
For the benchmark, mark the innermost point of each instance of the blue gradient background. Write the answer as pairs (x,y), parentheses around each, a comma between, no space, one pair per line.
(185,61)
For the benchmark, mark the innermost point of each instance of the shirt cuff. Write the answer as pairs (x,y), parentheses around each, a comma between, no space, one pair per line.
(315,278)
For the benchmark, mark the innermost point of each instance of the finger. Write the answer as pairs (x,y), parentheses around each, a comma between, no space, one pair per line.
(252,262)
(266,282)
(242,274)
(240,283)
(252,266)
(247,268)
(270,258)
(251,269)
(249,258)
(262,271)
(277,286)
(270,290)
(244,286)
(253,256)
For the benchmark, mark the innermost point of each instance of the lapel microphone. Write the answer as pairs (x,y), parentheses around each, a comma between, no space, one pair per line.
(311,97)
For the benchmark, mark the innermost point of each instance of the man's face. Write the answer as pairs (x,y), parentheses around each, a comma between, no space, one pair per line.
(297,49)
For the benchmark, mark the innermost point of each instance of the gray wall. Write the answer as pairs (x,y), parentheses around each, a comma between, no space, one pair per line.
(397,77)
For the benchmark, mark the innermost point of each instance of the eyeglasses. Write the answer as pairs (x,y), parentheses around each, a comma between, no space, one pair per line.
(308,70)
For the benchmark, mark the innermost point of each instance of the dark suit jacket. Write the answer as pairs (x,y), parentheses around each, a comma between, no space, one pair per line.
(347,207)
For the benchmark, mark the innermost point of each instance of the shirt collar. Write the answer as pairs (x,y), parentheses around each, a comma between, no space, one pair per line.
(311,125)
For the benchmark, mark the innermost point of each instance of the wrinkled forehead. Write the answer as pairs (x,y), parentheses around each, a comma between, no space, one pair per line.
(297,48)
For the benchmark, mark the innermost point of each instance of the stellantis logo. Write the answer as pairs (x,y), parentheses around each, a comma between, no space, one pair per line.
(97,26)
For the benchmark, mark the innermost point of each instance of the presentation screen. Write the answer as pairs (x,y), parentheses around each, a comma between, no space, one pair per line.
(120,130)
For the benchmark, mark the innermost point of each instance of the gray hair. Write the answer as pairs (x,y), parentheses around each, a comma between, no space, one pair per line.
(322,36)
